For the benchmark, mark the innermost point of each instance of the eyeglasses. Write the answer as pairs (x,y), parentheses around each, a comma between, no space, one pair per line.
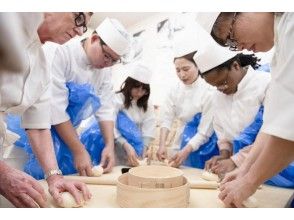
(80,21)
(107,56)
(230,41)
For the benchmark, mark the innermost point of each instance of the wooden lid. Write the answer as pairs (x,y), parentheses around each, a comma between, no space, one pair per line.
(155,177)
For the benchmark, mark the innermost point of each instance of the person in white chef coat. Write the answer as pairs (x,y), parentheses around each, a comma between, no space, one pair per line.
(135,123)
(240,97)
(87,61)
(273,149)
(26,92)
(190,101)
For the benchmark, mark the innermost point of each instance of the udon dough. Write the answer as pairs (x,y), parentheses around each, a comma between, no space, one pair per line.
(97,170)
(209,176)
(68,201)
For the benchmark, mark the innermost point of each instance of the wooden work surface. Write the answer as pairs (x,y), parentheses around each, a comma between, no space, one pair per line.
(105,195)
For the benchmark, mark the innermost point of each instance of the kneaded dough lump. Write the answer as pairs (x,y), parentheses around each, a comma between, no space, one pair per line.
(68,201)
(97,170)
(209,176)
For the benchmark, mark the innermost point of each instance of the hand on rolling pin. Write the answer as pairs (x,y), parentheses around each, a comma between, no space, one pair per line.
(107,158)
(224,154)
(131,154)
(223,166)
(21,189)
(57,185)
(83,162)
(234,193)
(161,153)
(181,156)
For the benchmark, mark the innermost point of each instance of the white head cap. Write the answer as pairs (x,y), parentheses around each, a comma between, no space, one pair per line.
(189,40)
(211,56)
(207,20)
(141,73)
(112,32)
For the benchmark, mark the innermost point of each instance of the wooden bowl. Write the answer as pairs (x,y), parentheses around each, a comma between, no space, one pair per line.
(155,177)
(135,197)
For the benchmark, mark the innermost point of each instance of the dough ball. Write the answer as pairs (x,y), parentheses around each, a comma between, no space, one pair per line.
(142,162)
(97,170)
(68,201)
(209,176)
(251,202)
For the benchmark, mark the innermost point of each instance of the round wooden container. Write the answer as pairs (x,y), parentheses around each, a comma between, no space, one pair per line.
(135,197)
(155,177)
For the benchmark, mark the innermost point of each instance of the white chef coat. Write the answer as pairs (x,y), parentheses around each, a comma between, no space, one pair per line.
(233,113)
(279,103)
(70,64)
(183,103)
(27,93)
(145,121)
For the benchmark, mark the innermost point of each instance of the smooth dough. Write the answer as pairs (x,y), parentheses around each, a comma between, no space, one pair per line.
(97,170)
(209,176)
(68,201)
(251,202)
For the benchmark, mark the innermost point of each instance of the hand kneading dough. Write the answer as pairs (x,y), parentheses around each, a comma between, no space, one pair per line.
(209,176)
(251,202)
(97,170)
(68,201)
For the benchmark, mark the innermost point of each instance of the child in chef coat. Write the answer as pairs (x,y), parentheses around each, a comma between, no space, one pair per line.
(135,123)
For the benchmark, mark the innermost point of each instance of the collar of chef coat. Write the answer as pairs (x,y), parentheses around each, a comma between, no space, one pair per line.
(81,55)
(245,79)
(197,83)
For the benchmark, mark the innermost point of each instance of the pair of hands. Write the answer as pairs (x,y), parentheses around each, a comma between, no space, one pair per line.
(178,158)
(23,190)
(83,162)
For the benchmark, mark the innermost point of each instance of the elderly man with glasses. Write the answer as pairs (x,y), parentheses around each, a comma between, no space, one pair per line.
(24,90)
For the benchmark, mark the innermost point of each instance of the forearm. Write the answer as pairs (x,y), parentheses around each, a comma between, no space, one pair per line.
(255,151)
(69,136)
(163,136)
(276,154)
(241,156)
(107,132)
(42,146)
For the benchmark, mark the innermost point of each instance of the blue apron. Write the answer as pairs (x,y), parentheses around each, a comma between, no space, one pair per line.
(82,104)
(130,131)
(247,137)
(205,152)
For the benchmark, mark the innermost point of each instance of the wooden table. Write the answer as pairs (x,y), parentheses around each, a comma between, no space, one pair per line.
(105,195)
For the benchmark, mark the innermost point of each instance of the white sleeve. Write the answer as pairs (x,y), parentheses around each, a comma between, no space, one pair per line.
(117,105)
(37,116)
(106,95)
(168,112)
(149,123)
(205,127)
(59,101)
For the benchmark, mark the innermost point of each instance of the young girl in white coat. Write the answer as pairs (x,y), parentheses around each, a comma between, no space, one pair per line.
(136,122)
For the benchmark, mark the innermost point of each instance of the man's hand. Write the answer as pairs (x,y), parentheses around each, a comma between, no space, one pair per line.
(57,184)
(179,157)
(21,189)
(107,158)
(83,162)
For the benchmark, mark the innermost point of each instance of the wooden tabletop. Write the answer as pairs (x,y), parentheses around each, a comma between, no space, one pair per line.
(105,195)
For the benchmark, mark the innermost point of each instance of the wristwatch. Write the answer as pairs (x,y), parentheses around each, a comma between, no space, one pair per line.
(53,172)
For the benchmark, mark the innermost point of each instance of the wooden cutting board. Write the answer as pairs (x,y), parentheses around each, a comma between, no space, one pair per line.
(105,195)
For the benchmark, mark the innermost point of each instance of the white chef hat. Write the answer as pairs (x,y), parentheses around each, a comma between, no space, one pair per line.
(189,40)
(207,20)
(140,72)
(113,33)
(212,55)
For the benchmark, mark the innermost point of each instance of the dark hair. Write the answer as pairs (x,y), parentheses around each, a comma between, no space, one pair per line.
(222,18)
(242,59)
(126,89)
(188,57)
